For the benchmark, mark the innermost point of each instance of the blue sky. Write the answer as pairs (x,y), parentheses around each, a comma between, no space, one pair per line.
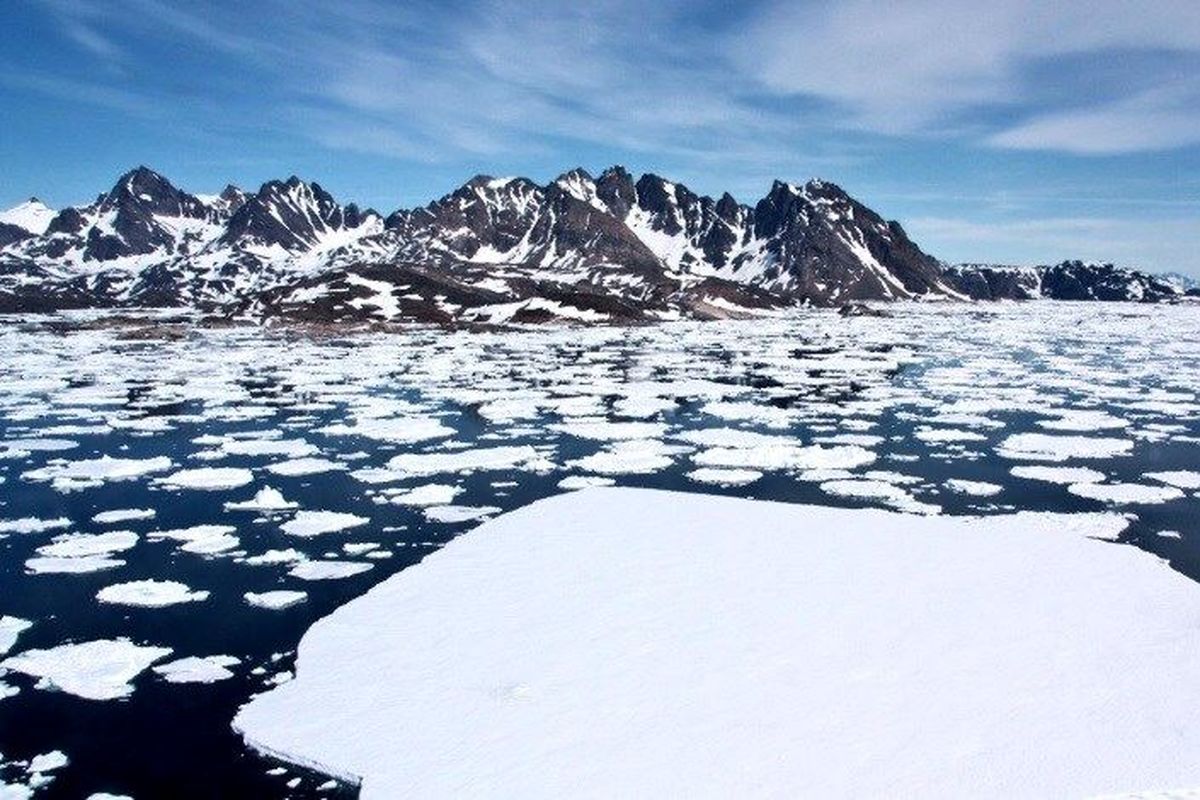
(1013,131)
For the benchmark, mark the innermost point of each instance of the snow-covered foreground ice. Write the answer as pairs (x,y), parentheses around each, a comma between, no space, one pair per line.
(625,642)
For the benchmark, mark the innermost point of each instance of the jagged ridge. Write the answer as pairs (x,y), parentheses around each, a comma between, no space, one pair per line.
(603,248)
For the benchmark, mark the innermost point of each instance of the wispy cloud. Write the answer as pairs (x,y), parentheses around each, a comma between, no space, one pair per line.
(1158,119)
(947,67)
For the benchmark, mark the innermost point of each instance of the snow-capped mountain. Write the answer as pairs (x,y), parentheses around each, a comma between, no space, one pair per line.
(496,249)
(1069,280)
(1185,282)
(33,216)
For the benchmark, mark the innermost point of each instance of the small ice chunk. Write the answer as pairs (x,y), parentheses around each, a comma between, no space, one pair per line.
(33,525)
(633,456)
(266,499)
(48,762)
(123,515)
(200,539)
(327,570)
(975,488)
(276,599)
(944,435)
(10,629)
(449,514)
(297,467)
(724,477)
(314,523)
(196,669)
(287,556)
(1059,474)
(89,544)
(1181,479)
(1043,447)
(70,475)
(417,465)
(572,482)
(76,565)
(429,494)
(95,670)
(208,478)
(150,594)
(1125,493)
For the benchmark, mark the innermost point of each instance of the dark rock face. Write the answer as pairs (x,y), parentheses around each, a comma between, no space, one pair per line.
(69,221)
(1069,280)
(1076,280)
(613,247)
(10,234)
(291,214)
(833,248)
(136,206)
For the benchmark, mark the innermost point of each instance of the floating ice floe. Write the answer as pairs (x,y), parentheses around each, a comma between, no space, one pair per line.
(265,499)
(276,599)
(396,430)
(449,514)
(48,762)
(1065,475)
(572,482)
(416,465)
(947,435)
(73,475)
(724,477)
(765,415)
(327,570)
(1121,493)
(95,670)
(123,515)
(634,456)
(1045,447)
(786,457)
(292,448)
(208,478)
(1082,420)
(196,669)
(604,430)
(200,539)
(882,491)
(73,545)
(10,629)
(314,523)
(35,445)
(150,594)
(286,556)
(33,525)
(974,488)
(735,438)
(430,494)
(718,618)
(73,565)
(304,466)
(1182,479)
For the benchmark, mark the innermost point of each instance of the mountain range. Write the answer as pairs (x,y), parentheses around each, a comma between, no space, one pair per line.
(606,248)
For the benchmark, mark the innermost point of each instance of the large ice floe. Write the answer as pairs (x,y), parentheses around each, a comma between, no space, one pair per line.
(629,642)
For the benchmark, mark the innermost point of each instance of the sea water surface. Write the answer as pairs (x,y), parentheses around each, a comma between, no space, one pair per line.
(154,473)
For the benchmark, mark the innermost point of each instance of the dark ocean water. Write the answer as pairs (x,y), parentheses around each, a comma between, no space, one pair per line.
(812,377)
